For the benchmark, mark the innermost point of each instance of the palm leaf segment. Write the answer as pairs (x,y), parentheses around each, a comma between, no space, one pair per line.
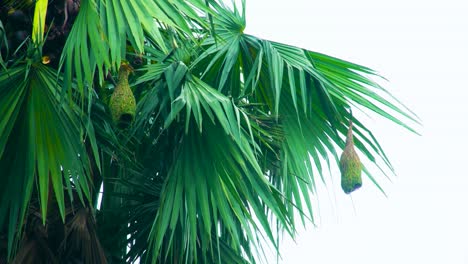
(33,150)
(267,118)
(105,29)
(230,130)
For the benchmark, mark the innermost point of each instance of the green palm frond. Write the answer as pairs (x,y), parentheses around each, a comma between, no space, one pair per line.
(86,48)
(356,84)
(196,102)
(3,45)
(207,185)
(40,10)
(51,157)
(230,137)
(287,107)
(105,29)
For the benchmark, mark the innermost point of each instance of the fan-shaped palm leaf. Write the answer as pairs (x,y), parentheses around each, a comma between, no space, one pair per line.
(103,27)
(51,156)
(231,132)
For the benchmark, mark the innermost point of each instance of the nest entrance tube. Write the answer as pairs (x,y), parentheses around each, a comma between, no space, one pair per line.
(122,103)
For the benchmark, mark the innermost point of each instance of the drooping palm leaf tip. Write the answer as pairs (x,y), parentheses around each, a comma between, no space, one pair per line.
(230,134)
(350,164)
(122,103)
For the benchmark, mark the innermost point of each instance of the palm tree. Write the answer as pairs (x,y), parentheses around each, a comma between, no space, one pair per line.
(159,131)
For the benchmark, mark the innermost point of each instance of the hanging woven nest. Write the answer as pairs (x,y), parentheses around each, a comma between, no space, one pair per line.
(122,103)
(350,165)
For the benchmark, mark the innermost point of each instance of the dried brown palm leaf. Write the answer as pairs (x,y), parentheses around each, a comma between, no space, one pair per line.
(35,247)
(81,241)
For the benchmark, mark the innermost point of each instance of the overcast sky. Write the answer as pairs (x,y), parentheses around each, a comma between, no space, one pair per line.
(421,47)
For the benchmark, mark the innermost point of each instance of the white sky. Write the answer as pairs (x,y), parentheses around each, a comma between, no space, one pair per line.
(421,47)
